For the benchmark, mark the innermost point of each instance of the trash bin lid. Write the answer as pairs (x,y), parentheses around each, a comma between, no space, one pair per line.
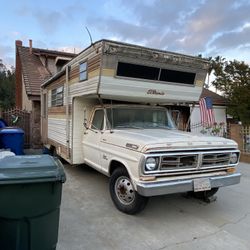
(11,130)
(30,169)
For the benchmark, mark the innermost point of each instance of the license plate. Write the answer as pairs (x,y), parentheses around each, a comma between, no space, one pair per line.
(202,184)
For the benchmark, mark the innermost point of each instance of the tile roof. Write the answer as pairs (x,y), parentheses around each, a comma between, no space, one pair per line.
(217,99)
(34,72)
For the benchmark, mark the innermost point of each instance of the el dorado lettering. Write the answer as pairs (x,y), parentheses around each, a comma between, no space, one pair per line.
(155,92)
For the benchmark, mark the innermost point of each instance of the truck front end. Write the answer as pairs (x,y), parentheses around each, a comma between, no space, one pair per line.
(197,169)
(169,160)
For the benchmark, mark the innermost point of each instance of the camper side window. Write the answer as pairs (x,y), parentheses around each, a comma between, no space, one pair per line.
(57,97)
(83,71)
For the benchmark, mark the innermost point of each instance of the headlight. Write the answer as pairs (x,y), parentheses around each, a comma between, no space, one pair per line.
(151,164)
(233,158)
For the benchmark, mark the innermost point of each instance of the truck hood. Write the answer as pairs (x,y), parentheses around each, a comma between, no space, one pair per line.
(149,140)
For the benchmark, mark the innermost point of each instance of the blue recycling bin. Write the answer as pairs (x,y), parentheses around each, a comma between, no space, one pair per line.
(13,139)
(3,123)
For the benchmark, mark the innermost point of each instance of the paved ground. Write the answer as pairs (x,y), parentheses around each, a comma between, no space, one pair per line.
(90,221)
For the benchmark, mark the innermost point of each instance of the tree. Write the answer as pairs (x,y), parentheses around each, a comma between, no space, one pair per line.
(7,87)
(232,78)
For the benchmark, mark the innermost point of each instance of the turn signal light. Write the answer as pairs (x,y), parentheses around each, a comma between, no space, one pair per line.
(231,170)
(147,178)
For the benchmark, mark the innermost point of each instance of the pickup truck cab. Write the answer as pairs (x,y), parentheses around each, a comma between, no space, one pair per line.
(144,154)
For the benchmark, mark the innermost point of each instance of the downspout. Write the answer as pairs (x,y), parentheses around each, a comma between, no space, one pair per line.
(67,112)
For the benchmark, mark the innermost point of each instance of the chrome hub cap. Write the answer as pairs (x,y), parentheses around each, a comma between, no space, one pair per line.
(124,190)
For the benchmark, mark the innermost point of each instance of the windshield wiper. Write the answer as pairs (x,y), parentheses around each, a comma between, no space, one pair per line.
(156,126)
(128,126)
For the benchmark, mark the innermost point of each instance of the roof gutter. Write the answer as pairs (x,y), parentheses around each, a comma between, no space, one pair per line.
(54,77)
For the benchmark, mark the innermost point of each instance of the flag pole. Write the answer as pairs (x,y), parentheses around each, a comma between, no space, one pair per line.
(189,118)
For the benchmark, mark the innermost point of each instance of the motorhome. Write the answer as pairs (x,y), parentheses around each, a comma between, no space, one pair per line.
(110,108)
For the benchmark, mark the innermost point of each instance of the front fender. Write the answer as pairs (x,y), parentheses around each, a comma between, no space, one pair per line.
(132,168)
(120,161)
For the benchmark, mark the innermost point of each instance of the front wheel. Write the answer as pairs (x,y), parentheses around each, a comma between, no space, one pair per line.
(123,194)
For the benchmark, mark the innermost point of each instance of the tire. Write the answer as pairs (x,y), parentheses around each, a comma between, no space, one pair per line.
(123,194)
(205,194)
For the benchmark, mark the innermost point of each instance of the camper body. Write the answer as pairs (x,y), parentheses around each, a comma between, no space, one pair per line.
(107,108)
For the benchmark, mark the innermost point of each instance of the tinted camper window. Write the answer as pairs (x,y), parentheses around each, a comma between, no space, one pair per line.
(83,71)
(137,71)
(154,73)
(177,76)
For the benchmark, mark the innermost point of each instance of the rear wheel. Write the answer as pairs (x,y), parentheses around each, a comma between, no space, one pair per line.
(123,194)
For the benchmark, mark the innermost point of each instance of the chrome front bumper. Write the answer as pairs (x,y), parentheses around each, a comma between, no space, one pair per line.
(180,186)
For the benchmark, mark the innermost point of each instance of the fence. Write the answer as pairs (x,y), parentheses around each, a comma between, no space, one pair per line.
(217,129)
(239,133)
(246,138)
(19,118)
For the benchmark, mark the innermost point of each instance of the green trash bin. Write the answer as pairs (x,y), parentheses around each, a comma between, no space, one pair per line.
(30,198)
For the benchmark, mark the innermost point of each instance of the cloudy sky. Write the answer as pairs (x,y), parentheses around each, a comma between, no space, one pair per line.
(207,27)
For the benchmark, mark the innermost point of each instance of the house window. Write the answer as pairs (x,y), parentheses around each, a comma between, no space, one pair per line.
(83,71)
(57,97)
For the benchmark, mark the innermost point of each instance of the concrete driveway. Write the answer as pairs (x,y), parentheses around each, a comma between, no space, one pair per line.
(89,219)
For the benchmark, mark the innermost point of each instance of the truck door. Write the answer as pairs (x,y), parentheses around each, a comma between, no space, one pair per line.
(91,140)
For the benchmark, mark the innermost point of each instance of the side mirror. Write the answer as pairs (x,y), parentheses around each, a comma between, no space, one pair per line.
(85,123)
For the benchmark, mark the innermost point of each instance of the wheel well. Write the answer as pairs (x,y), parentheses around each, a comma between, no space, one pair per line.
(52,150)
(114,165)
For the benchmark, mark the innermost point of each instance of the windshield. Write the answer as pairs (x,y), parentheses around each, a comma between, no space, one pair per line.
(136,117)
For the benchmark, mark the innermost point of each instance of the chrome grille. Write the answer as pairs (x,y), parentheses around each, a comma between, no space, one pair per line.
(192,162)
(217,159)
(179,161)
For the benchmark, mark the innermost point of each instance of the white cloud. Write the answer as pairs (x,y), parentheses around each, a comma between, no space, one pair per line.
(50,21)
(234,39)
(6,53)
(207,27)
(187,26)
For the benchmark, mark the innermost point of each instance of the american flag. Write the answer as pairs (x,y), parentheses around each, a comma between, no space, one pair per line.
(207,113)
